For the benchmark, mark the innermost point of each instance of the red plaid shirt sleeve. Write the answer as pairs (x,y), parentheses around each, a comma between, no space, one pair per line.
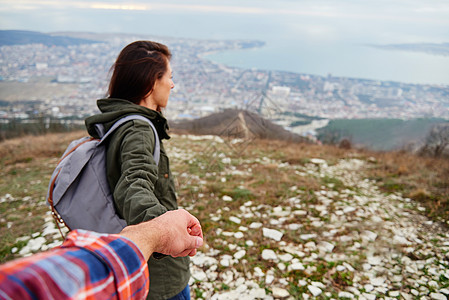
(88,265)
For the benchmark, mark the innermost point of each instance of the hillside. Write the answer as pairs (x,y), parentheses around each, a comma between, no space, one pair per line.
(233,123)
(380,134)
(23,37)
(280,219)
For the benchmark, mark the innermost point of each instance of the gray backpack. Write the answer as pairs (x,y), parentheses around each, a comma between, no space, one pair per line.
(79,193)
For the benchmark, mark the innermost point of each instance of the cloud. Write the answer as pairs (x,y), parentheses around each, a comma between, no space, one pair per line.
(113,6)
(368,10)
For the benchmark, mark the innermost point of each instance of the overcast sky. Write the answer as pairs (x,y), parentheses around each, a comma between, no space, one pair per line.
(390,20)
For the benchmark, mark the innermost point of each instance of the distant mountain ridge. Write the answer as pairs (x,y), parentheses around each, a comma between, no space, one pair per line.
(23,37)
(236,123)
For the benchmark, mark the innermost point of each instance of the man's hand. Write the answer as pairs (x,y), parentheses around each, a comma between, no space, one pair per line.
(175,233)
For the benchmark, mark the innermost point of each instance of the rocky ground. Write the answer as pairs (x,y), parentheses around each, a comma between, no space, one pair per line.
(371,245)
(343,239)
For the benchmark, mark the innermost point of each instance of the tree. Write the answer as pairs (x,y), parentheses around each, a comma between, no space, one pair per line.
(437,141)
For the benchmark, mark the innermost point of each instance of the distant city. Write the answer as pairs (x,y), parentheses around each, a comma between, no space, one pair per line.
(299,102)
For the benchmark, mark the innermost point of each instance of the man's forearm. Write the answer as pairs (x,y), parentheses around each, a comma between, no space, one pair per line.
(66,272)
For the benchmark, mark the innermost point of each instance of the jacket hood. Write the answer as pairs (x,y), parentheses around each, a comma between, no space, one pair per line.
(113,109)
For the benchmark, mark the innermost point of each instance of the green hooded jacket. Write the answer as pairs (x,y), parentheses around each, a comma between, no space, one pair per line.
(142,190)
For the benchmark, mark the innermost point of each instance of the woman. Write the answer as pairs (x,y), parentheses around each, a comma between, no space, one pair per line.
(140,84)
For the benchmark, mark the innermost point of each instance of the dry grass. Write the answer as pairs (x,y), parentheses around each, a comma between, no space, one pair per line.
(26,165)
(26,149)
(423,179)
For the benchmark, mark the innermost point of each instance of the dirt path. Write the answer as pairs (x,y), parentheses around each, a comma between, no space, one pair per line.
(374,246)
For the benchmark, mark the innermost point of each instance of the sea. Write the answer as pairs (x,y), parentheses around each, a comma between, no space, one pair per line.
(342,60)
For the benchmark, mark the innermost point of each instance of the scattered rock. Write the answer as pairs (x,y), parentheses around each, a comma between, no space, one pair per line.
(272,234)
(227,198)
(280,293)
(268,254)
(316,291)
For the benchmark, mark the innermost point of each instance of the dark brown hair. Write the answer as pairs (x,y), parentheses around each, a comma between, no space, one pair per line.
(136,70)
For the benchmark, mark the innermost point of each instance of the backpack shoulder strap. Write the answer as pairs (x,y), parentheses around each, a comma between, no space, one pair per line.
(157,147)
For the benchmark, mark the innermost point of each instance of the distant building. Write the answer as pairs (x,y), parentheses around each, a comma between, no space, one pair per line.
(41,66)
(280,91)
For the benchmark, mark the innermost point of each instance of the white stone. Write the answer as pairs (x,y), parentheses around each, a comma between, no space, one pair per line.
(345,295)
(314,290)
(317,224)
(240,281)
(374,260)
(294,226)
(296,266)
(340,268)
(310,245)
(433,284)
(268,254)
(366,267)
(239,254)
(369,235)
(258,272)
(226,260)
(325,246)
(36,244)
(368,296)
(345,238)
(199,275)
(269,279)
(226,160)
(307,236)
(255,225)
(376,219)
(281,266)
(300,212)
(286,257)
(272,234)
(200,259)
(368,287)
(400,240)
(232,247)
(280,292)
(393,293)
(438,296)
(349,267)
(249,243)
(227,198)
(235,219)
(349,209)
(302,282)
(318,284)
(239,235)
(378,281)
(406,296)
(318,161)
(257,293)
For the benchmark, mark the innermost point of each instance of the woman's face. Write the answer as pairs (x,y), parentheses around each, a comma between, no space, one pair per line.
(162,88)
